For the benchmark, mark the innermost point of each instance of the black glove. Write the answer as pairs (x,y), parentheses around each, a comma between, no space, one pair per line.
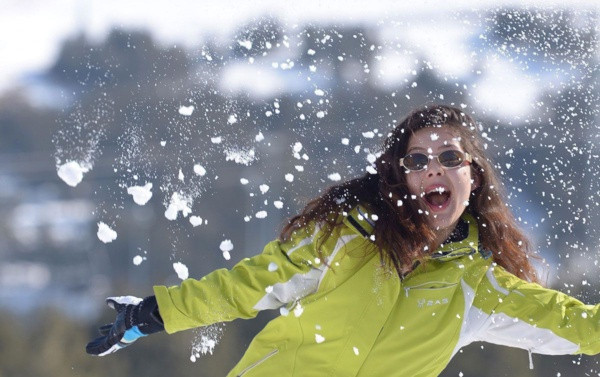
(135,318)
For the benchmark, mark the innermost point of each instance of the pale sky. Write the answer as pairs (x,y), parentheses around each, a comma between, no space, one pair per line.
(31,31)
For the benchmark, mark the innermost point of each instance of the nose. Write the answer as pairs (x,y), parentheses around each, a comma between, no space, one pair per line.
(434,168)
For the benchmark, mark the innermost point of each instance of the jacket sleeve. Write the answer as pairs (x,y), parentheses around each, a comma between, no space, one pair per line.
(281,274)
(520,314)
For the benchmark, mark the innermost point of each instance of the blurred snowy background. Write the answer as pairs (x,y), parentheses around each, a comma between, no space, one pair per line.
(233,114)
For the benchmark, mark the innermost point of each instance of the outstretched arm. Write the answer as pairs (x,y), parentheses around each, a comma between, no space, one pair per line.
(513,312)
(281,274)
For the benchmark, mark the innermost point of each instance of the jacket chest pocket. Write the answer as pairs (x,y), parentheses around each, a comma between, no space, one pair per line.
(430,294)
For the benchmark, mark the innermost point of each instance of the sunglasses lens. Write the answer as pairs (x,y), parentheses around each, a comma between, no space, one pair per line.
(415,161)
(451,159)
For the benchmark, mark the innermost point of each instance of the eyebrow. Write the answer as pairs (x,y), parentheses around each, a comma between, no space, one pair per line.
(423,149)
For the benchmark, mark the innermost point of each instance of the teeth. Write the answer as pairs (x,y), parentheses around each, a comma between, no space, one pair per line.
(437,189)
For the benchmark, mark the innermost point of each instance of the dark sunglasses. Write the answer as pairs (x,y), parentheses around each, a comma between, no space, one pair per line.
(448,159)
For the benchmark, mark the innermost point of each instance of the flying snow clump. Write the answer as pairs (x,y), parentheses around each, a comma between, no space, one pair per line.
(335,176)
(186,110)
(195,220)
(72,172)
(246,44)
(105,233)
(368,134)
(226,246)
(240,156)
(199,170)
(178,204)
(181,270)
(141,194)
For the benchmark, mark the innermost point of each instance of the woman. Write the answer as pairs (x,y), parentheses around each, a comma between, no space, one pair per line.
(389,274)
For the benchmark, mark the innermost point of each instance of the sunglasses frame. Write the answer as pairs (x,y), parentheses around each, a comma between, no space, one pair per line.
(467,158)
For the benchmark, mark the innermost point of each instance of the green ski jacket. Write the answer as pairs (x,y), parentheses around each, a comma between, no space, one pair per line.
(353,316)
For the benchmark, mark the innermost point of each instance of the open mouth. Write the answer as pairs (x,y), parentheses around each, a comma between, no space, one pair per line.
(437,198)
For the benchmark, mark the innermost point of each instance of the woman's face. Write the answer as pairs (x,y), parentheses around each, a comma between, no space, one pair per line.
(444,191)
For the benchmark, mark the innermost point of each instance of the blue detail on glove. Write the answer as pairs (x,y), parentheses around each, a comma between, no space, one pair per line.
(132,335)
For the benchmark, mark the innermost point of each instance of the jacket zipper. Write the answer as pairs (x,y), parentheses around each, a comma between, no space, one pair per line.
(256,363)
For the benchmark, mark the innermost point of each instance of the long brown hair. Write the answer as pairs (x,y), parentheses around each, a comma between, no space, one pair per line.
(401,233)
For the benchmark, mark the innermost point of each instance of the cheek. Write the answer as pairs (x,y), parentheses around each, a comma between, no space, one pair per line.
(464,182)
(413,180)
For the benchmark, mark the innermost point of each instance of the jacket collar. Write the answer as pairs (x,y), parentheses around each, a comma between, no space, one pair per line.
(467,246)
(360,220)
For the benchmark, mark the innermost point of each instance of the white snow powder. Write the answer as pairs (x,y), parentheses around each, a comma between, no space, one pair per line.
(246,44)
(72,172)
(195,220)
(289,177)
(259,137)
(178,204)
(186,110)
(180,176)
(226,245)
(273,266)
(335,176)
(355,350)
(141,194)
(297,147)
(278,204)
(216,140)
(345,141)
(261,214)
(319,92)
(105,233)
(181,270)
(368,134)
(199,170)
(319,338)
(298,310)
(244,181)
(240,156)
(434,136)
(263,188)
(320,114)
(232,119)
(137,260)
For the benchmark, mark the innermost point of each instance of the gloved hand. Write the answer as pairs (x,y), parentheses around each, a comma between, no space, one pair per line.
(135,318)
